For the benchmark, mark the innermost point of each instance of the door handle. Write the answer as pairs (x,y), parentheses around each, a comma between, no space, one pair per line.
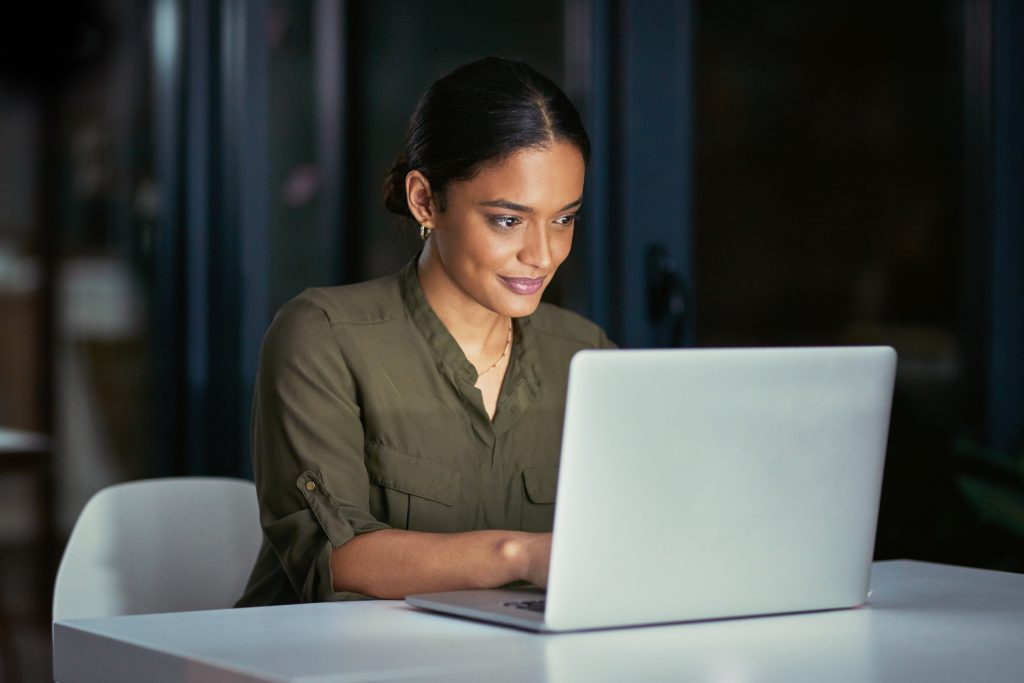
(667,297)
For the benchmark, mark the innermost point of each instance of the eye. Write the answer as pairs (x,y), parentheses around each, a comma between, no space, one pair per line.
(505,222)
(567,220)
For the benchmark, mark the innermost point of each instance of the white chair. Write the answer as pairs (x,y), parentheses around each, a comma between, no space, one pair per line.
(159,545)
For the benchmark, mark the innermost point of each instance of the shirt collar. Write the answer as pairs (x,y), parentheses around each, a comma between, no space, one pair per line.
(440,340)
(522,376)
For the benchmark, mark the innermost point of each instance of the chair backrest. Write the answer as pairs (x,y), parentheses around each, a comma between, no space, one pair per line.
(159,545)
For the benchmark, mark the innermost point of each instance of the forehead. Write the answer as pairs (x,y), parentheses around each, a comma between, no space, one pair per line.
(544,177)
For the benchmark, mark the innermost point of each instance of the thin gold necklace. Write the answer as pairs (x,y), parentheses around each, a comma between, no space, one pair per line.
(508,346)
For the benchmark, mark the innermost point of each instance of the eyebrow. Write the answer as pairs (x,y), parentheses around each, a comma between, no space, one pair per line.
(512,206)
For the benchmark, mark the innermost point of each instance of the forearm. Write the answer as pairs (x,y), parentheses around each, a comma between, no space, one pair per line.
(393,563)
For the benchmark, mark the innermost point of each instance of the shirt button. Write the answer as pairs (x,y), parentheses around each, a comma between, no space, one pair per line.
(310,486)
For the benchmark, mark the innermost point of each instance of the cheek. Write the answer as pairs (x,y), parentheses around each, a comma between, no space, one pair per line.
(469,247)
(490,251)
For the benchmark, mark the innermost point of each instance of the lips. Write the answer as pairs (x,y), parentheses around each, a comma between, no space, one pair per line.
(523,285)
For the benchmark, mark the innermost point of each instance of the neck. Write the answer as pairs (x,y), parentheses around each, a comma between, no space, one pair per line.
(477,330)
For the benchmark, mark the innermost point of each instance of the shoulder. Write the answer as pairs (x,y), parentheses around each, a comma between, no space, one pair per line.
(306,322)
(551,321)
(365,303)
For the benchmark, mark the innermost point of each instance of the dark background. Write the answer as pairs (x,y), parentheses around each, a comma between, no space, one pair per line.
(764,173)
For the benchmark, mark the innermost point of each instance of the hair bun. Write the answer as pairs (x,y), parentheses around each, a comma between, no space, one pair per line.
(394,187)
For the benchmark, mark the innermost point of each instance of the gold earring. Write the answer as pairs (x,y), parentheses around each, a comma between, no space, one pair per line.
(425,232)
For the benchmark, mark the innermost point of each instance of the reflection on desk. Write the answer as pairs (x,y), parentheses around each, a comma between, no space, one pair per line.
(924,622)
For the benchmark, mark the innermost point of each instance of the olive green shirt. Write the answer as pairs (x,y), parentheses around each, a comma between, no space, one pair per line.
(366,417)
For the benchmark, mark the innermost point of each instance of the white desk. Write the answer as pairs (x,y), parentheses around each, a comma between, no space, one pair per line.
(924,622)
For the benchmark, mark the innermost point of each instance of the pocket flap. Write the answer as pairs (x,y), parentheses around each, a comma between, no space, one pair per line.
(424,478)
(541,483)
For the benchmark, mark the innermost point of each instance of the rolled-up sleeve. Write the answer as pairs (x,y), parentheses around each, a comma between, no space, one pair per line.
(308,453)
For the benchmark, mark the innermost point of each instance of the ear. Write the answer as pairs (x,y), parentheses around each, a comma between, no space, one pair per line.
(420,198)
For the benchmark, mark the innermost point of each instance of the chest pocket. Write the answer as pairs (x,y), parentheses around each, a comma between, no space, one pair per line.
(411,493)
(539,487)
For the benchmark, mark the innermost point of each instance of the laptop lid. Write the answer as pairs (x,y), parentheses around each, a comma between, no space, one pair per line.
(711,483)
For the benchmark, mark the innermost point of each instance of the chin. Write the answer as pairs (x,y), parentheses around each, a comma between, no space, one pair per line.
(513,305)
(523,308)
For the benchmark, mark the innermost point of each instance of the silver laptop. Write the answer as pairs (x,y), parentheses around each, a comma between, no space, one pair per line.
(708,483)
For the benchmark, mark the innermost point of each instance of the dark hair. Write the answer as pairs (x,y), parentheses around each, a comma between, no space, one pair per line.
(481,113)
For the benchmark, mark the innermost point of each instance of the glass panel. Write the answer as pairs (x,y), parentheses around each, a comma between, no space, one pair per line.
(107,201)
(299,169)
(829,210)
(21,269)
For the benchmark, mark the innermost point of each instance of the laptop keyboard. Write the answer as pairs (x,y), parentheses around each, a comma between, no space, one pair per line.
(531,605)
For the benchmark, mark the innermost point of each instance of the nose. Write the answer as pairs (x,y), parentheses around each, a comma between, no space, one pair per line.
(536,247)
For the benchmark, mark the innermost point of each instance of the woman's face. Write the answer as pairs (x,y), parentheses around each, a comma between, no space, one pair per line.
(505,232)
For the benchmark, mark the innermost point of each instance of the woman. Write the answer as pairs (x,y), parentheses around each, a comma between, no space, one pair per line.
(406,431)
